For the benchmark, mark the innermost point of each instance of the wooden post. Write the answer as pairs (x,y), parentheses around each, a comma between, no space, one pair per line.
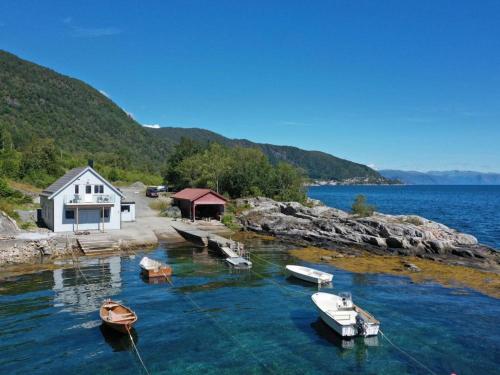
(77,218)
(103,219)
(194,212)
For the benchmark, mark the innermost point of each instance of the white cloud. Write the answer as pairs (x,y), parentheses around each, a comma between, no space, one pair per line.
(104,93)
(372,166)
(153,126)
(89,32)
(94,32)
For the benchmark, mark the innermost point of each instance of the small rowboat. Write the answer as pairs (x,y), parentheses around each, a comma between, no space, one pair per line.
(310,274)
(116,316)
(153,268)
(343,316)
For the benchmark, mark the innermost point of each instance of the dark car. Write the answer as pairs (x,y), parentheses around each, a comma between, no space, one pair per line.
(152,192)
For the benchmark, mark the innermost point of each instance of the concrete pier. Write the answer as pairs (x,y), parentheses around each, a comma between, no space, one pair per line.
(234,251)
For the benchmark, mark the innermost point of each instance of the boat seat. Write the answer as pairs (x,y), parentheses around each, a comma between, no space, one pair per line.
(117,317)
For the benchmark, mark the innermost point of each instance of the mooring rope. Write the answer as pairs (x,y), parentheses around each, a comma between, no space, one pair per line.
(214,321)
(406,353)
(401,350)
(136,350)
(73,255)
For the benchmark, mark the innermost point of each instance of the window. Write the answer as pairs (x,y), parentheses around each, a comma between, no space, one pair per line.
(125,208)
(98,189)
(88,189)
(69,214)
(106,213)
(77,189)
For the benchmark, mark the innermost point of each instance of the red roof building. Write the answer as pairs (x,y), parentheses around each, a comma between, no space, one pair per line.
(199,203)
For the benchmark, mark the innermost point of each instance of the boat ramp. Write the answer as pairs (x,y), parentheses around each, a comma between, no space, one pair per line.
(234,251)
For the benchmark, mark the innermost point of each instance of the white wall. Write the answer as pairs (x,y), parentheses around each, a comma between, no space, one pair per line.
(47,211)
(61,224)
(130,215)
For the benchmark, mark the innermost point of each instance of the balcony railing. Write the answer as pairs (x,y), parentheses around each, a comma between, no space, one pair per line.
(89,199)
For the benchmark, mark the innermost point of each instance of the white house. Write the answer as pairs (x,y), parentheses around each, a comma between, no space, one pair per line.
(83,200)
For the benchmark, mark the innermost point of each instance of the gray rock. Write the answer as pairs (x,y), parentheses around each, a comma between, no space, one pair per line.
(412,267)
(322,225)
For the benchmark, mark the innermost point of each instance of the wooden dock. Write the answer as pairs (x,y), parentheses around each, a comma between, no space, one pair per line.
(234,252)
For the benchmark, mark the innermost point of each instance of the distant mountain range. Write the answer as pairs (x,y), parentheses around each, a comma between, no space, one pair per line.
(442,177)
(37,102)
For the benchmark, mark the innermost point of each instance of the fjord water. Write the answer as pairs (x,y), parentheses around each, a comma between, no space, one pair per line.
(214,320)
(470,209)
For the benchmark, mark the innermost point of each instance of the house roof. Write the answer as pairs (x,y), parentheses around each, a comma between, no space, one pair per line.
(61,182)
(69,177)
(192,194)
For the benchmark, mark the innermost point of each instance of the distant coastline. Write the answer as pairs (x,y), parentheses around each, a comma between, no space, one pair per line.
(354,181)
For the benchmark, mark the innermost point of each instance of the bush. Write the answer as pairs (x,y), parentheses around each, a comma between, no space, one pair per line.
(361,208)
(160,204)
(415,220)
(229,221)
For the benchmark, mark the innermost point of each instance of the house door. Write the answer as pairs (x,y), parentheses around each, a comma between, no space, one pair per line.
(88,219)
(88,194)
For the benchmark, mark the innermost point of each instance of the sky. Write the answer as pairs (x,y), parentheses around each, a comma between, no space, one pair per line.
(411,85)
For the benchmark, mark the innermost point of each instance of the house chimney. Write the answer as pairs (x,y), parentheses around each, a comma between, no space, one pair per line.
(91,163)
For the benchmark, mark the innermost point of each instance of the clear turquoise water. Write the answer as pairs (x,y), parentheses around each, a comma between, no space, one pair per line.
(217,321)
(470,209)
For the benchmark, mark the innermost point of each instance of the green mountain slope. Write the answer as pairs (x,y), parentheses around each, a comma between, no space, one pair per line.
(318,165)
(36,102)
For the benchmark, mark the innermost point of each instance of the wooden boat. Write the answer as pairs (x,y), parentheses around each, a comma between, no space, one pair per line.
(153,268)
(309,274)
(343,316)
(116,316)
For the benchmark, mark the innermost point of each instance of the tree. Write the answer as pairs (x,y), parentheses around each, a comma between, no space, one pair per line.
(288,183)
(361,208)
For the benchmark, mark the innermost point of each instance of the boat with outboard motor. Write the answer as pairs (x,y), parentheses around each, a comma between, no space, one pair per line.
(343,316)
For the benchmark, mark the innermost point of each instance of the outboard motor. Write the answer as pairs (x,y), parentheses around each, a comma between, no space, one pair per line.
(360,325)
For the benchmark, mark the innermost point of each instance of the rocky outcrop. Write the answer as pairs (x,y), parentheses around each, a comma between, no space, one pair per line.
(17,251)
(8,226)
(325,226)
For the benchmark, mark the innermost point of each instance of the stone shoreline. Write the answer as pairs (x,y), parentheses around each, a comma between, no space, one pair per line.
(379,234)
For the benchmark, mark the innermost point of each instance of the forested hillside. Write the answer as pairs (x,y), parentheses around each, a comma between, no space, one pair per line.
(50,122)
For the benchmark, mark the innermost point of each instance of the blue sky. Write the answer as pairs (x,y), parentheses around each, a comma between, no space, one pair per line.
(393,84)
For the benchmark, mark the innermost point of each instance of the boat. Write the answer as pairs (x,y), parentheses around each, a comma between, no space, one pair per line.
(343,316)
(239,262)
(309,274)
(153,268)
(117,317)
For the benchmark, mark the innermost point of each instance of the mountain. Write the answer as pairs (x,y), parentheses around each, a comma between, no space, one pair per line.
(318,165)
(37,102)
(442,177)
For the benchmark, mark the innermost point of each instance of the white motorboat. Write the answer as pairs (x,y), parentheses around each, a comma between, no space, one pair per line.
(309,274)
(154,268)
(343,316)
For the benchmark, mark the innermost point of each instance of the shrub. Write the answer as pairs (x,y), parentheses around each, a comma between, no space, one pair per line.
(229,221)
(361,208)
(160,204)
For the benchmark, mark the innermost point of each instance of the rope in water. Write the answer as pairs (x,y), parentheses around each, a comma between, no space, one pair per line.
(406,353)
(77,263)
(214,321)
(401,350)
(136,350)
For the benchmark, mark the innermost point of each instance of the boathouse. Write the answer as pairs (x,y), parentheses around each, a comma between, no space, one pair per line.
(199,203)
(84,200)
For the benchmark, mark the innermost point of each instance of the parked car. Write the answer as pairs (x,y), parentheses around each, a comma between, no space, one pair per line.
(152,192)
(162,189)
